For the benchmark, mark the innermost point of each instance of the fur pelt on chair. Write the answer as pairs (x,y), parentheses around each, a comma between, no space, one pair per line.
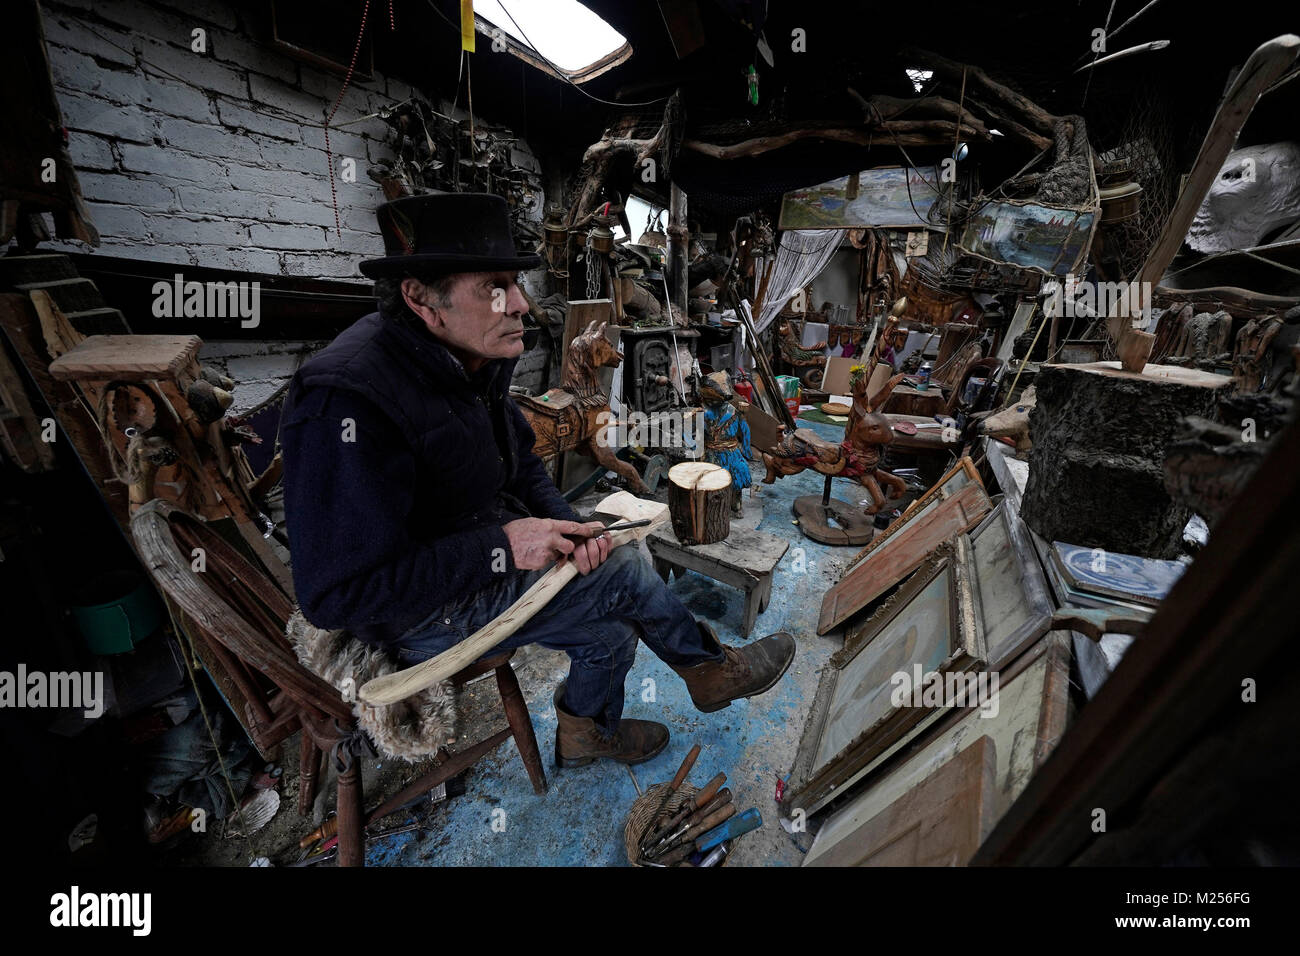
(409,730)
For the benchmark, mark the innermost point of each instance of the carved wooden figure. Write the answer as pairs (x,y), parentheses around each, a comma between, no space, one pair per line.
(574,416)
(867,433)
(795,354)
(726,435)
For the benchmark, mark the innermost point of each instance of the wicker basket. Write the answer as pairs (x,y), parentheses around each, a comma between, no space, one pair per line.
(644,815)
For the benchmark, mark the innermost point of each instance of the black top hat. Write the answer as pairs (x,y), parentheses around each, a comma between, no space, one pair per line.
(447,232)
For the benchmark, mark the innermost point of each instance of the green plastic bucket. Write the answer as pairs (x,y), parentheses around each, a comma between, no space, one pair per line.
(116,611)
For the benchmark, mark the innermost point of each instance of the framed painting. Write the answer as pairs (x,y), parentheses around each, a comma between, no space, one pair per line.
(1052,240)
(1033,714)
(1067,595)
(1110,574)
(890,197)
(1015,603)
(929,624)
(942,518)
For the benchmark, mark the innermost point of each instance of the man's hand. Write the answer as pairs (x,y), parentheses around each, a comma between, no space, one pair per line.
(536,542)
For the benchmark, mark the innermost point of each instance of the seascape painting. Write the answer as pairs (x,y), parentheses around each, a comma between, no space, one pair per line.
(881,199)
(1049,239)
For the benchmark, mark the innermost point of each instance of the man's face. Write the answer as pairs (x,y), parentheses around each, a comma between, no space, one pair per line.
(482,318)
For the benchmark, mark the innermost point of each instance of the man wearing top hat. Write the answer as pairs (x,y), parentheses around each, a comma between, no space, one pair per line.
(418,512)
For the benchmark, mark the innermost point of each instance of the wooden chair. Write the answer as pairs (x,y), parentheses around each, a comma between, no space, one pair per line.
(234,606)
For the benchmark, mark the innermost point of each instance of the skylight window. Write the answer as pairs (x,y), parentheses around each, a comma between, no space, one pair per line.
(919,78)
(571,37)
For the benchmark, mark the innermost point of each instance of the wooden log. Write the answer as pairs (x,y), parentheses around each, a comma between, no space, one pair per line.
(699,502)
(1097,465)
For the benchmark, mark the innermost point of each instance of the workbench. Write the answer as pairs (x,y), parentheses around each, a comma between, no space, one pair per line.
(745,559)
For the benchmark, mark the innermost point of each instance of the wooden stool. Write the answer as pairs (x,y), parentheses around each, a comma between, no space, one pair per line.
(745,559)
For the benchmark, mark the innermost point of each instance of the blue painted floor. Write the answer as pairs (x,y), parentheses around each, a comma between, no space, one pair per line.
(500,822)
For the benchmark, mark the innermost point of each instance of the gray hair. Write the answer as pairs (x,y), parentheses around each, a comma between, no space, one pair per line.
(388,290)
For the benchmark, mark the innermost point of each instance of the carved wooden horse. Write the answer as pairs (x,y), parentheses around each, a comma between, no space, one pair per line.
(868,431)
(574,416)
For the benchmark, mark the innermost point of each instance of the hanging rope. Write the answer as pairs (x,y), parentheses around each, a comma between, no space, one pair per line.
(347,80)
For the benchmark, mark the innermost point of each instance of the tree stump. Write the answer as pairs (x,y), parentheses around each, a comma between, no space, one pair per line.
(699,502)
(1097,466)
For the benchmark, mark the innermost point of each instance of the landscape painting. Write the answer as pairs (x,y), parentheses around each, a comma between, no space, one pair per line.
(879,200)
(1048,239)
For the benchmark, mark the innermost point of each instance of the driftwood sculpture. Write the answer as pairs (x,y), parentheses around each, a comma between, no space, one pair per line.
(573,417)
(867,433)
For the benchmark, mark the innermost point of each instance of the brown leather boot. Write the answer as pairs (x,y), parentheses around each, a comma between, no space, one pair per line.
(578,741)
(743,672)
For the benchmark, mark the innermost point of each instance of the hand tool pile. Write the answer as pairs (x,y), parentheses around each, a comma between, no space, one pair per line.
(702,828)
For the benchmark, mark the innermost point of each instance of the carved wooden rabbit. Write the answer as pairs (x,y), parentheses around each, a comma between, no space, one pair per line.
(867,433)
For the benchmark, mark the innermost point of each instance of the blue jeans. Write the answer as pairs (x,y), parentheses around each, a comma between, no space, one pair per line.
(596,619)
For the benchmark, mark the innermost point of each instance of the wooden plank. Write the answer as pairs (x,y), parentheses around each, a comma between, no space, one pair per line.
(939,822)
(20,430)
(764,430)
(397,686)
(908,550)
(745,550)
(128,358)
(582,312)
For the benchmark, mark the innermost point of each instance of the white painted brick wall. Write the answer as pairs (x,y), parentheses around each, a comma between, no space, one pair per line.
(259,369)
(228,169)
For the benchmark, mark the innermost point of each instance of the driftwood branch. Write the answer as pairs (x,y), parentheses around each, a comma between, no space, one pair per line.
(1035,116)
(879,108)
(935,135)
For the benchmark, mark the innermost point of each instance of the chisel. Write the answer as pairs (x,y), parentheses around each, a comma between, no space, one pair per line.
(701,799)
(677,781)
(621,526)
(687,838)
(684,821)
(730,829)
